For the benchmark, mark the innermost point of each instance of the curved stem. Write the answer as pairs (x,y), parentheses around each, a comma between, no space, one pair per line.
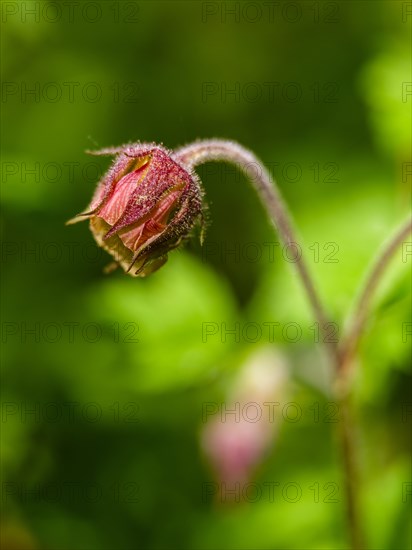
(348,428)
(361,308)
(342,356)
(221,150)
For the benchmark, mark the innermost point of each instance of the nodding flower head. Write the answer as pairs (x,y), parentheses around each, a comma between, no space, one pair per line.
(144,206)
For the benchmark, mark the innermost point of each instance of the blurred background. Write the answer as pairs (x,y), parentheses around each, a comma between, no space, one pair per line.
(133,411)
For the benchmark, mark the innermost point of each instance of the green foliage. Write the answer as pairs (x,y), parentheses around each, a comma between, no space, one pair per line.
(132,356)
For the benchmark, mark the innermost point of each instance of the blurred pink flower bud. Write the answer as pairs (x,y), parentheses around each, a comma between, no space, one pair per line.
(237,439)
(143,207)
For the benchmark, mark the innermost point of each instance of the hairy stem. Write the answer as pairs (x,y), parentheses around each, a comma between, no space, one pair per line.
(348,442)
(221,150)
(347,356)
(342,357)
(360,310)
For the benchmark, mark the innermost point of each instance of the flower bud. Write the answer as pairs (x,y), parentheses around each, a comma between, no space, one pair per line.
(144,206)
(237,440)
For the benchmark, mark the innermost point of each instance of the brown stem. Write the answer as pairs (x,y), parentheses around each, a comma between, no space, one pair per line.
(360,310)
(221,150)
(347,435)
(348,428)
(342,358)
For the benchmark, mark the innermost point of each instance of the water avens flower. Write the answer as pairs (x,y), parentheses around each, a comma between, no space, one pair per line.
(238,434)
(143,207)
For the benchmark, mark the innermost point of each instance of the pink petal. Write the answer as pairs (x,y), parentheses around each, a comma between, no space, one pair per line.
(114,207)
(162,175)
(143,234)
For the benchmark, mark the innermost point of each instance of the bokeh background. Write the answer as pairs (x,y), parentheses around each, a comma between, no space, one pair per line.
(106,379)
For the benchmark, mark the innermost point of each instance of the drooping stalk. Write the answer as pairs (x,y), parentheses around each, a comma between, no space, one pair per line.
(221,150)
(342,357)
(154,242)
